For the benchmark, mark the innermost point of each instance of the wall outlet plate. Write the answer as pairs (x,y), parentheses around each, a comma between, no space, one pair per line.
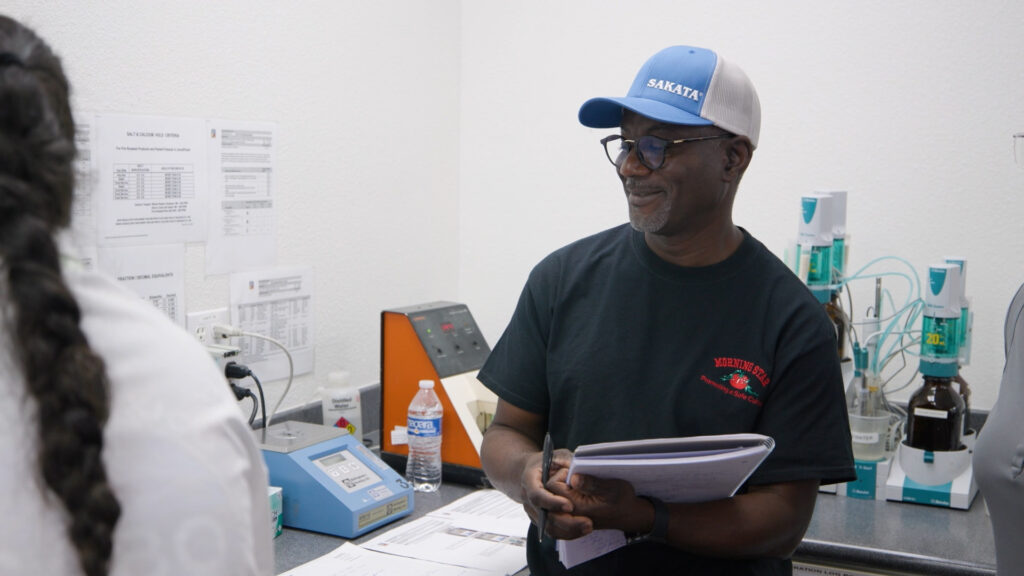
(200,324)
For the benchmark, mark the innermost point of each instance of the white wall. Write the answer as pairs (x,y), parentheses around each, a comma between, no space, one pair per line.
(909,105)
(430,150)
(365,95)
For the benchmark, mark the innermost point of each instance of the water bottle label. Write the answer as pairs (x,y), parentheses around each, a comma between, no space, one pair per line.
(424,427)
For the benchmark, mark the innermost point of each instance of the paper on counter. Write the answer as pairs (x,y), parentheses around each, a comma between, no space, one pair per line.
(489,510)
(485,530)
(351,560)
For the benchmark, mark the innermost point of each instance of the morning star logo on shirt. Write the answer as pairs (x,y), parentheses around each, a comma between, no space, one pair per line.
(675,88)
(739,378)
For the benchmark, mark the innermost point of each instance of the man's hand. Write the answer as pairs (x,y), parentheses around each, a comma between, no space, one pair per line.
(536,494)
(598,504)
(512,459)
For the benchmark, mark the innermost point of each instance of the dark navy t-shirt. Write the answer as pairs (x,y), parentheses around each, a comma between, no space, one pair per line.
(610,342)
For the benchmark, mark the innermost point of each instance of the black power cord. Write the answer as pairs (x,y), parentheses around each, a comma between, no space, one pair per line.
(240,394)
(234,371)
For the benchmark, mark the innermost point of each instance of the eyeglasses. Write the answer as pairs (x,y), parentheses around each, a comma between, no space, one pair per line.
(650,150)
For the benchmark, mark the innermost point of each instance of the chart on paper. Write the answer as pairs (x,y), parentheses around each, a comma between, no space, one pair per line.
(154,181)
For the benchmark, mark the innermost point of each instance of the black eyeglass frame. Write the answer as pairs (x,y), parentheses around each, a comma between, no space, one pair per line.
(630,145)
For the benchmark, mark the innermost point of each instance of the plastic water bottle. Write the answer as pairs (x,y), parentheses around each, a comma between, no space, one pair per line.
(423,469)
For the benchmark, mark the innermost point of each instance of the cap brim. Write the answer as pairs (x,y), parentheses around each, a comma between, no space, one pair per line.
(607,112)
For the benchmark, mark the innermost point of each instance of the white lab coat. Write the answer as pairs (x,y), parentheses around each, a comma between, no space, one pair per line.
(179,455)
(999,452)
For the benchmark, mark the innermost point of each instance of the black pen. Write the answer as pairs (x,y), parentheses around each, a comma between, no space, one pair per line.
(545,472)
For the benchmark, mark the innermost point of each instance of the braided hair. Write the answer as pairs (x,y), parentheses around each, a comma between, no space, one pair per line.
(63,375)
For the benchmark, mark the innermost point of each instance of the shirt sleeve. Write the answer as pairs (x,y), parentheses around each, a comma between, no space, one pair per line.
(516,369)
(806,414)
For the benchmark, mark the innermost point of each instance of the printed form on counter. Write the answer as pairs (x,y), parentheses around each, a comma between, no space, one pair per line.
(351,560)
(480,534)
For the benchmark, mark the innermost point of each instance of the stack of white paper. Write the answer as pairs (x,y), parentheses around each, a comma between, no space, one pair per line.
(692,469)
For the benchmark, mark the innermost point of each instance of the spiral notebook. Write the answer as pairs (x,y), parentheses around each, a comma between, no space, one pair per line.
(689,469)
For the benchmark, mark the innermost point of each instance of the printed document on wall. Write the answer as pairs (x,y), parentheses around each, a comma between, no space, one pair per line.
(242,184)
(150,179)
(276,304)
(155,273)
(83,213)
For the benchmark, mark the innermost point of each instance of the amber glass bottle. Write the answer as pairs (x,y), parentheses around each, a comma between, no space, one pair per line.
(839,322)
(935,416)
(965,394)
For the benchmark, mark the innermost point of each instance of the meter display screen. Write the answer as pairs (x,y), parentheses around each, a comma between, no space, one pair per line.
(347,471)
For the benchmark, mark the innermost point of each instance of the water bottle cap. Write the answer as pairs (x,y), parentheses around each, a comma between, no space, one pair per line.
(424,384)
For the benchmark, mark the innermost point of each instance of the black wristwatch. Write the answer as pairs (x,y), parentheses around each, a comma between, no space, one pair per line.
(659,533)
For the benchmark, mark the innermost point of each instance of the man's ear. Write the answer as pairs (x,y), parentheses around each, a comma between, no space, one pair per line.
(738,152)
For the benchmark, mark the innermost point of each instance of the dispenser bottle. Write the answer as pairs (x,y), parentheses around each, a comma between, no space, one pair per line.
(935,416)
(940,326)
(820,250)
(838,219)
(814,243)
(964,335)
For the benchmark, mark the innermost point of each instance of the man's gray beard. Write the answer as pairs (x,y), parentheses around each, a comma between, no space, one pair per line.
(650,223)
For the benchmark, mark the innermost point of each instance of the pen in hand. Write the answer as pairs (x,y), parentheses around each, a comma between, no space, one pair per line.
(545,473)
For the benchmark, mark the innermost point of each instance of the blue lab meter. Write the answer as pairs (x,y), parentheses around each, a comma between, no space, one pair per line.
(331,482)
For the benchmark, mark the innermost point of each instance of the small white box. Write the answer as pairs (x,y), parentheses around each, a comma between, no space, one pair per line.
(276,506)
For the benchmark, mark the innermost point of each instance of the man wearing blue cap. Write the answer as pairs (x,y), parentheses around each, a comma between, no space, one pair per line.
(679,324)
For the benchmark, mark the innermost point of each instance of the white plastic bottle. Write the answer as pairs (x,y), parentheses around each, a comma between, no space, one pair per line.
(423,469)
(341,405)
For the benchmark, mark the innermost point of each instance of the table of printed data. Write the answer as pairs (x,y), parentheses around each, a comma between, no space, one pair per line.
(154,181)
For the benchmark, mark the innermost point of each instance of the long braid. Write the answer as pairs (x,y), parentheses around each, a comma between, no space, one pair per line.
(62,373)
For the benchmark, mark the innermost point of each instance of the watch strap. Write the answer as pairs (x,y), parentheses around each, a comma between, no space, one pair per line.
(659,533)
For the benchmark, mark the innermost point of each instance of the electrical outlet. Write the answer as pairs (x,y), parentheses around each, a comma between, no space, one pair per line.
(200,324)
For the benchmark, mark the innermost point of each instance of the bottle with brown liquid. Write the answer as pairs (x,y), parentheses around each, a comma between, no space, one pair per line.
(839,322)
(965,394)
(935,416)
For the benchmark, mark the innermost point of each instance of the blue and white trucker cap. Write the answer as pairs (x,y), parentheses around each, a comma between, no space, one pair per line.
(685,85)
